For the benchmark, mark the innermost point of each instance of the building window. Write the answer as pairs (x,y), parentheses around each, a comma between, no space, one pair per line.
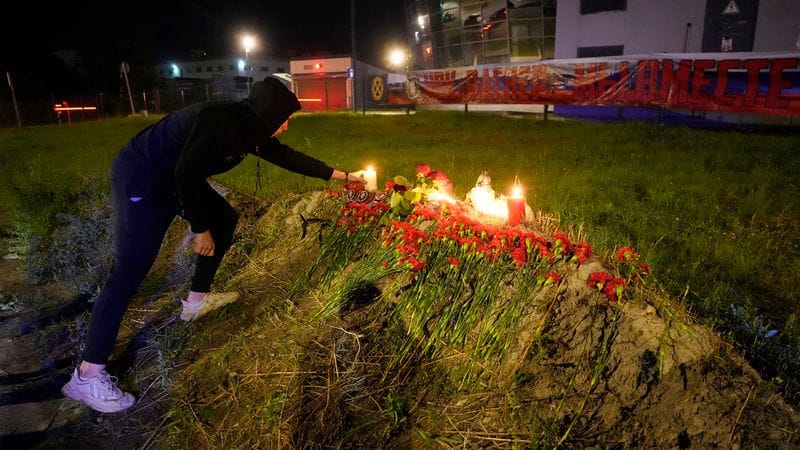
(265,68)
(606,50)
(220,68)
(187,69)
(596,6)
(279,69)
(209,69)
(231,67)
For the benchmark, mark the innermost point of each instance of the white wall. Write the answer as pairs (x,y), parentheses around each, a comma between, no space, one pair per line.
(777,25)
(257,63)
(655,26)
(320,65)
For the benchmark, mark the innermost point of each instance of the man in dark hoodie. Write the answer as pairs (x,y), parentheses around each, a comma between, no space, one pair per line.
(162,173)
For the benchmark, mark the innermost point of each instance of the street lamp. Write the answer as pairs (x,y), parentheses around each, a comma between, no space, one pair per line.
(398,58)
(248,42)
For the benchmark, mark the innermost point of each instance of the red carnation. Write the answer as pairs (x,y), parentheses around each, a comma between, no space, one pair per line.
(551,277)
(583,251)
(519,255)
(643,271)
(559,236)
(453,261)
(424,169)
(627,254)
(598,280)
(416,265)
(614,288)
(443,180)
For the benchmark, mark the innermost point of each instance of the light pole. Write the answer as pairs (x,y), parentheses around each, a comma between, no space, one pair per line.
(248,42)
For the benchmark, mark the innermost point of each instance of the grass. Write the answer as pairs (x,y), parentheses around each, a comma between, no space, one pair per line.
(716,214)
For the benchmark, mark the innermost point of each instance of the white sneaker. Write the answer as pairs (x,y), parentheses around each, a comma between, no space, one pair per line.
(192,311)
(99,392)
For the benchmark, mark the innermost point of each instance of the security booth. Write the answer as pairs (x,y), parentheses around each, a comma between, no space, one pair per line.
(323,84)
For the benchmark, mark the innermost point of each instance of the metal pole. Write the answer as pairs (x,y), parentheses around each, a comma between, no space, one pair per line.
(686,36)
(128,85)
(247,67)
(326,95)
(353,51)
(14,99)
(102,107)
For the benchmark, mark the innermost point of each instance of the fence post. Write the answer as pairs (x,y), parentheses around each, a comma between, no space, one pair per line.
(101,109)
(363,96)
(14,99)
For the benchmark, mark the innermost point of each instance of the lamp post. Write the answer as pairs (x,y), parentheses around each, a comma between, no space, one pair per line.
(248,42)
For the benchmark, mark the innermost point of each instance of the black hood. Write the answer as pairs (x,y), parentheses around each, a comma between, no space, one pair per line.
(272,102)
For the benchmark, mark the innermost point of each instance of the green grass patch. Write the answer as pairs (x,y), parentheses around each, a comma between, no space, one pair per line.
(716,214)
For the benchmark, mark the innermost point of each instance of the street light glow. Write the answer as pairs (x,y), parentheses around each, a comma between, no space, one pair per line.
(248,42)
(397,57)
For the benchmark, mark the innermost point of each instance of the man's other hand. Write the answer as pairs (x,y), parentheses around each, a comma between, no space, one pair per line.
(204,243)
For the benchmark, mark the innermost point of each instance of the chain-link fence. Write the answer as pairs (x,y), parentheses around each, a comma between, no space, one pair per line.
(170,95)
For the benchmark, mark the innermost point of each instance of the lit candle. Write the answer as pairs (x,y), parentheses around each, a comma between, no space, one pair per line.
(372,179)
(516,207)
(482,198)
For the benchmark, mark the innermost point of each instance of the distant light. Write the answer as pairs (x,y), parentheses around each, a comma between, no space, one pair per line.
(59,108)
(175,70)
(421,21)
(248,42)
(241,65)
(316,100)
(318,66)
(397,57)
(428,50)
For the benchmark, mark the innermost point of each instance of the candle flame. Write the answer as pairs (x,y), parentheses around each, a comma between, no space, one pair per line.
(484,202)
(516,192)
(370,169)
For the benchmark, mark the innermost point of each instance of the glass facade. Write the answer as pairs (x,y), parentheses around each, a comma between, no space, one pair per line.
(453,33)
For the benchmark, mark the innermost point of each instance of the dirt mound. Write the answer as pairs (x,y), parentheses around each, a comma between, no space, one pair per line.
(327,358)
(581,371)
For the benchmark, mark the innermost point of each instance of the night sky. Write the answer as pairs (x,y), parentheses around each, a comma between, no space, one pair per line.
(147,31)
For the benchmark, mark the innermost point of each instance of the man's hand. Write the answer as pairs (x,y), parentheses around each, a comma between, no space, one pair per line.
(204,243)
(352,177)
(358,177)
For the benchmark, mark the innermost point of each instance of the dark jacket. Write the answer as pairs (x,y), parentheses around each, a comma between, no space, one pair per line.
(184,148)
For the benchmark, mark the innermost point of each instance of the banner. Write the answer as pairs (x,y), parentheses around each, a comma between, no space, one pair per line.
(742,82)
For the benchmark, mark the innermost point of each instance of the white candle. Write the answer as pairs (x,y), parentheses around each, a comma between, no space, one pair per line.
(372,179)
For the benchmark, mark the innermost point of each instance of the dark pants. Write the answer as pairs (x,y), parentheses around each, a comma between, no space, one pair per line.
(142,214)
